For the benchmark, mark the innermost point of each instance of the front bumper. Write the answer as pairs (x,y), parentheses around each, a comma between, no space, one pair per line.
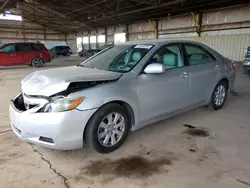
(246,64)
(246,67)
(60,130)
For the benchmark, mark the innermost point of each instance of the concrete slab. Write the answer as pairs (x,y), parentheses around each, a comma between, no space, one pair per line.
(162,155)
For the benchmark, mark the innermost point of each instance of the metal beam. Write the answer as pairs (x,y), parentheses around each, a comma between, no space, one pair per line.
(145,2)
(84,7)
(4,5)
(139,10)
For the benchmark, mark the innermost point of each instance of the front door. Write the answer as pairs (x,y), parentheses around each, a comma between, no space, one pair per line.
(160,94)
(8,55)
(203,71)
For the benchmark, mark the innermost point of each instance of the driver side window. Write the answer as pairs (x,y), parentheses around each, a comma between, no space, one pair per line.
(170,56)
(128,59)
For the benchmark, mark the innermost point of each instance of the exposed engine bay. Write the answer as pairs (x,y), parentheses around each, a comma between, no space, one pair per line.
(25,102)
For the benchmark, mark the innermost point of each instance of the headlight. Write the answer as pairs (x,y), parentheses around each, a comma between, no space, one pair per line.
(63,104)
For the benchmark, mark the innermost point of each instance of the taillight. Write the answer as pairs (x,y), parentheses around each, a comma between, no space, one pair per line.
(234,66)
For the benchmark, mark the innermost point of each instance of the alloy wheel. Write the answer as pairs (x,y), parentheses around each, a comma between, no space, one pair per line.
(111,129)
(220,95)
(37,62)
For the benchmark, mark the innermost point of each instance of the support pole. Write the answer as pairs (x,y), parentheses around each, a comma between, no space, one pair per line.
(89,40)
(97,44)
(124,29)
(44,32)
(155,26)
(127,32)
(106,36)
(198,22)
(65,37)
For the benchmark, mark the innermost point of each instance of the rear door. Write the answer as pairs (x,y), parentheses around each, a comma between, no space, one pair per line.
(8,55)
(37,50)
(203,70)
(64,50)
(25,51)
(58,50)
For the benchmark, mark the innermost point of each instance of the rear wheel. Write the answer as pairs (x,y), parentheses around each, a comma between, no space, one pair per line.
(219,95)
(107,129)
(37,62)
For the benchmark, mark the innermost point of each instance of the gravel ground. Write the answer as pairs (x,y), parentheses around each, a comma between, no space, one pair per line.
(200,148)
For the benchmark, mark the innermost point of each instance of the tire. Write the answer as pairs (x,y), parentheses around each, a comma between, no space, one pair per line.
(99,134)
(68,54)
(219,95)
(37,62)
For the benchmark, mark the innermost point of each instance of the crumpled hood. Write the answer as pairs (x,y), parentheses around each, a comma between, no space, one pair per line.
(51,81)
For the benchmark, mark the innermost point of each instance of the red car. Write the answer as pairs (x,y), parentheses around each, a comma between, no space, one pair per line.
(32,54)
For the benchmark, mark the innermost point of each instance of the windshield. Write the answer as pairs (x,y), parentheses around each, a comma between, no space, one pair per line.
(120,58)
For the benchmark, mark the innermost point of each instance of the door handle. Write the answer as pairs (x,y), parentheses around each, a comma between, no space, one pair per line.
(184,74)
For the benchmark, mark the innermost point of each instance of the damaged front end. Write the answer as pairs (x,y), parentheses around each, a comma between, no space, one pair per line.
(57,102)
(25,102)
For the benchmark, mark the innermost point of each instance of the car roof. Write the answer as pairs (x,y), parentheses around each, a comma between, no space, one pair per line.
(4,44)
(159,41)
(61,46)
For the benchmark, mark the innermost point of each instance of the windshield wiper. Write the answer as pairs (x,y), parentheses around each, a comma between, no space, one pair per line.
(80,65)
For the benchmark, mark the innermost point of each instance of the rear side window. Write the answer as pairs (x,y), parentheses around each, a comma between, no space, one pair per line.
(36,46)
(9,48)
(23,47)
(65,47)
(197,55)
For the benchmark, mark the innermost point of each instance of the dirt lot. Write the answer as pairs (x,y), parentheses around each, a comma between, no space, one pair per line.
(215,154)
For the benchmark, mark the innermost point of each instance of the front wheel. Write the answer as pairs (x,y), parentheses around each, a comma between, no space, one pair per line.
(37,62)
(107,129)
(219,95)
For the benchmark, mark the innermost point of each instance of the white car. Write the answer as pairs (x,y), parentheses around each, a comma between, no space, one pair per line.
(122,88)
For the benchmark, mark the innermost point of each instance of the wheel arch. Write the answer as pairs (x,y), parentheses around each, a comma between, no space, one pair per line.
(225,80)
(125,105)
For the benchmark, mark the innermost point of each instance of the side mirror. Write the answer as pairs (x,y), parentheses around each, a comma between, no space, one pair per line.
(154,68)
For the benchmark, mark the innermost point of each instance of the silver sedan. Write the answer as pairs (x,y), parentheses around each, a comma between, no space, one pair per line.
(122,88)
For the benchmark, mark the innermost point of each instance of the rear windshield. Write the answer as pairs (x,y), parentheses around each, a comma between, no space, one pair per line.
(36,46)
(64,47)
